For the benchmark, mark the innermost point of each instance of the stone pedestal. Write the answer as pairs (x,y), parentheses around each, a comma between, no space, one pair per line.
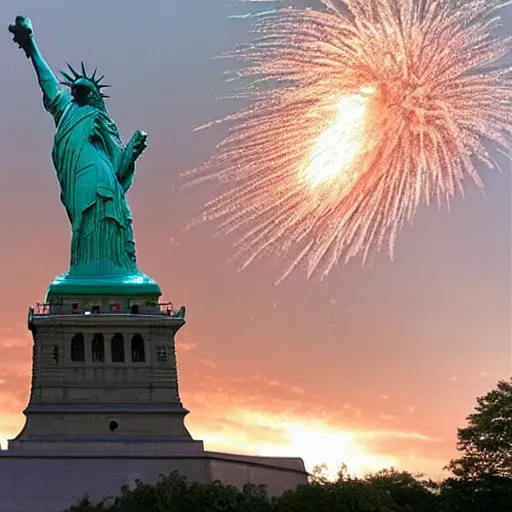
(107,373)
(105,409)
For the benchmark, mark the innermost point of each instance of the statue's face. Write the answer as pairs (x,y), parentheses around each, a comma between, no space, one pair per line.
(84,92)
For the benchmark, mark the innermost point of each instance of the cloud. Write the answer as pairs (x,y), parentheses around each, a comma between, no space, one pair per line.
(14,391)
(241,425)
(15,372)
(264,416)
(492,376)
(387,417)
(15,342)
(206,362)
(276,383)
(185,346)
(396,434)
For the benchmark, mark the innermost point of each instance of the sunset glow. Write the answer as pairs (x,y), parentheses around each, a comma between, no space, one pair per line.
(333,447)
(318,442)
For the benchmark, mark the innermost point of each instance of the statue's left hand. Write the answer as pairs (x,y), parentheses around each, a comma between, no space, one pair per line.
(138,143)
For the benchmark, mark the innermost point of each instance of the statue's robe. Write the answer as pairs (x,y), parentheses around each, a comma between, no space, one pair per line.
(86,154)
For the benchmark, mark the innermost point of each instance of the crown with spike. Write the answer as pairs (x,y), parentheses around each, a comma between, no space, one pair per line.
(76,78)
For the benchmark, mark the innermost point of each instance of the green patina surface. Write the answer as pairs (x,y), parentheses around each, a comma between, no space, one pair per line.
(95,170)
(130,285)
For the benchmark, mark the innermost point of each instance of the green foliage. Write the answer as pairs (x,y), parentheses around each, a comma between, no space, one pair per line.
(385,491)
(85,505)
(407,492)
(352,495)
(319,474)
(173,493)
(485,494)
(486,442)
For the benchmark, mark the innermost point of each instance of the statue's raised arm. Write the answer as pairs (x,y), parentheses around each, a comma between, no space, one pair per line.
(24,37)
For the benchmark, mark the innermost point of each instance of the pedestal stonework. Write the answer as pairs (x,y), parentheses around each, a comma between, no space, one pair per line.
(123,371)
(105,409)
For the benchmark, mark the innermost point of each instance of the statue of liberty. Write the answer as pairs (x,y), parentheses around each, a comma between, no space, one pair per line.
(94,168)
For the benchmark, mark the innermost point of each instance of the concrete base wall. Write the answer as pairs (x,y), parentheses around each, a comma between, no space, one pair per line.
(34,481)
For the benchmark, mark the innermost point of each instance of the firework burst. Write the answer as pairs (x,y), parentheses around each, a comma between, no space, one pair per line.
(358,113)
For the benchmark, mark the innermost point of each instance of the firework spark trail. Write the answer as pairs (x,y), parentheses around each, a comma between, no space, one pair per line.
(357,115)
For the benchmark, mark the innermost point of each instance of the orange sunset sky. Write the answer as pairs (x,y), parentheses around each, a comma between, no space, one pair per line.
(372,367)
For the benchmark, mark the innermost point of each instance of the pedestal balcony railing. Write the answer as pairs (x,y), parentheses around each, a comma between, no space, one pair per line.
(150,308)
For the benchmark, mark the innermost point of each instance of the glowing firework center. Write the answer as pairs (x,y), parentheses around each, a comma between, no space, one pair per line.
(333,158)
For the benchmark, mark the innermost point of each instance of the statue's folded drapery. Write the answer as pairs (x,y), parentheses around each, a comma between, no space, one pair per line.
(86,154)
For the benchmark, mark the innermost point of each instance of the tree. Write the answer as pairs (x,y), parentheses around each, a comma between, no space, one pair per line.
(410,492)
(174,493)
(319,474)
(385,491)
(483,494)
(85,505)
(486,442)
